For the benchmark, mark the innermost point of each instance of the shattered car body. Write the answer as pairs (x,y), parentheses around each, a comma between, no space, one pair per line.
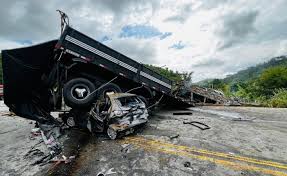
(126,112)
(118,113)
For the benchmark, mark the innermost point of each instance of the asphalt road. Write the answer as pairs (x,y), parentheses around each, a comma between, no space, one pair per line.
(240,141)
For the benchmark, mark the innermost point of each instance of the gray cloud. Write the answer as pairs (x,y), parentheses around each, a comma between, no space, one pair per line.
(182,14)
(185,11)
(210,4)
(236,27)
(37,20)
(253,31)
(22,20)
(141,51)
(209,63)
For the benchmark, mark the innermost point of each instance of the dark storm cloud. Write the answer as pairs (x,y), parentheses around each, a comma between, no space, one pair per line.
(236,27)
(26,20)
(38,20)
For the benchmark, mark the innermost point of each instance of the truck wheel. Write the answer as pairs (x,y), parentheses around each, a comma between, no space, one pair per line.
(76,91)
(110,87)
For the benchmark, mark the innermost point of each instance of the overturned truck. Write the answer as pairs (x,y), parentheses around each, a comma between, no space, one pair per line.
(77,71)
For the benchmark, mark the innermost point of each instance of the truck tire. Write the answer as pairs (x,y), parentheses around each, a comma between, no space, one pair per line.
(76,92)
(110,87)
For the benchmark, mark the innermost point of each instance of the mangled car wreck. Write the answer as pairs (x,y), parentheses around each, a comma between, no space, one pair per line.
(105,90)
(125,112)
(116,113)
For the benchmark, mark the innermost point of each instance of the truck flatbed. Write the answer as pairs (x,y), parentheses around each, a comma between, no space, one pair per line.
(92,51)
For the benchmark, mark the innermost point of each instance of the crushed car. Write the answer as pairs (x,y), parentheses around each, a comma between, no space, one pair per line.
(117,114)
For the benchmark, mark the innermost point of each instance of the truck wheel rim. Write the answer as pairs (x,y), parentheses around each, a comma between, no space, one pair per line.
(80,91)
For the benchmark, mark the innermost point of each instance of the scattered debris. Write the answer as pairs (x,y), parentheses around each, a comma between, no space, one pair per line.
(64,159)
(108,172)
(208,95)
(187,164)
(182,113)
(33,147)
(126,148)
(33,152)
(212,96)
(173,137)
(36,131)
(10,113)
(243,119)
(52,144)
(206,127)
(44,160)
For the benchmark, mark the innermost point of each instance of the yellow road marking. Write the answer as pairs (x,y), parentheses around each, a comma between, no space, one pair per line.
(154,145)
(218,154)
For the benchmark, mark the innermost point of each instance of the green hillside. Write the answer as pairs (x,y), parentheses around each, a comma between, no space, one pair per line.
(254,72)
(265,83)
(247,74)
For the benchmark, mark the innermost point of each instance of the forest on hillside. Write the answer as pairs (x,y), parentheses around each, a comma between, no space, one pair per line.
(264,83)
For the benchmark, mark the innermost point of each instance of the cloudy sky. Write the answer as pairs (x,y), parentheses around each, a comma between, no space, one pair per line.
(212,38)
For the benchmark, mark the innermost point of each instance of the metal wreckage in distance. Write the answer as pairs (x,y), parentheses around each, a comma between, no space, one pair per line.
(81,71)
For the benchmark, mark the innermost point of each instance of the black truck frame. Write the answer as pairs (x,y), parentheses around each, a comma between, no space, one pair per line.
(37,78)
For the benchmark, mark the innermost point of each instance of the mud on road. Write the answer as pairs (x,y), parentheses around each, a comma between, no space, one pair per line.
(240,141)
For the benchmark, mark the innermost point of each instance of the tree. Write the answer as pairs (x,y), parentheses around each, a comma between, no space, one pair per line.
(170,74)
(273,78)
(217,84)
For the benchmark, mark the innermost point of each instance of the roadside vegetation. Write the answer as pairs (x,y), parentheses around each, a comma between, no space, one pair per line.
(170,74)
(265,84)
(279,99)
